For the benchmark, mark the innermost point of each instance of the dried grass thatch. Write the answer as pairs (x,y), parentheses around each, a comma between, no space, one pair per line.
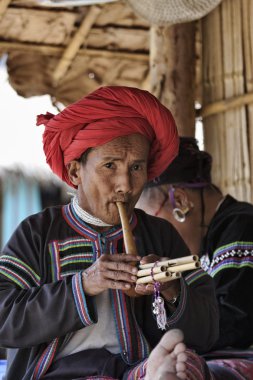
(67,53)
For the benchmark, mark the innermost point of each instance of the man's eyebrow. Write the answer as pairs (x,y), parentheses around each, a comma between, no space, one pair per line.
(110,158)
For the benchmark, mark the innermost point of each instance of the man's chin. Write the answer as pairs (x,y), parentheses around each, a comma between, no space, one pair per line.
(113,221)
(113,217)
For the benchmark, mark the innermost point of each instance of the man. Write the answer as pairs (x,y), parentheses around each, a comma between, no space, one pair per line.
(218,228)
(64,275)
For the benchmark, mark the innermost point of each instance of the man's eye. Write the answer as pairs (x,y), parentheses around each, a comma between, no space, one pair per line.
(108,165)
(136,167)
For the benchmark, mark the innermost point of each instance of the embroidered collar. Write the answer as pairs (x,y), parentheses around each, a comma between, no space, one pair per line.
(86,230)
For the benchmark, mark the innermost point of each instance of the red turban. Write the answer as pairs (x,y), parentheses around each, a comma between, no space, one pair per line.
(104,115)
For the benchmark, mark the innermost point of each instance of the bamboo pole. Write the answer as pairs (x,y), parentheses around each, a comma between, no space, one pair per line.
(75,44)
(57,51)
(212,73)
(224,111)
(3,7)
(225,105)
(238,165)
(247,9)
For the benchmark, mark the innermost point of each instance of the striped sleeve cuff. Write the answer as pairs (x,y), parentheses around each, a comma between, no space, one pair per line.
(173,319)
(80,300)
(195,276)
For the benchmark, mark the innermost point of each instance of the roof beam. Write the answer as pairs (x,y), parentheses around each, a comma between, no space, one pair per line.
(6,47)
(77,41)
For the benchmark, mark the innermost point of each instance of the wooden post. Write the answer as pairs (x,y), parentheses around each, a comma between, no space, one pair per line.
(172,71)
(75,44)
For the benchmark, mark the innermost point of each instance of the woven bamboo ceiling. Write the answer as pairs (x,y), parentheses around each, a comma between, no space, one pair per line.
(68,52)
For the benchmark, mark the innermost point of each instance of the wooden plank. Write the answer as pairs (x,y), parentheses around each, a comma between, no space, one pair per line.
(119,39)
(118,13)
(57,28)
(37,26)
(3,7)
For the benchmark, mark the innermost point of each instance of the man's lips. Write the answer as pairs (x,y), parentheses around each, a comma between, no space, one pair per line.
(123,199)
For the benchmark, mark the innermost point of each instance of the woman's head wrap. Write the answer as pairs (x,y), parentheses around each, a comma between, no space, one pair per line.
(191,168)
(106,114)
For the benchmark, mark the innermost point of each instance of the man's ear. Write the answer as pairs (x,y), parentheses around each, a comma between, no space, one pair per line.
(73,169)
(181,197)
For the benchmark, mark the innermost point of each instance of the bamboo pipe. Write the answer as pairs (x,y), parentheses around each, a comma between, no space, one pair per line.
(179,261)
(172,269)
(161,277)
(128,238)
(184,267)
(174,276)
(147,272)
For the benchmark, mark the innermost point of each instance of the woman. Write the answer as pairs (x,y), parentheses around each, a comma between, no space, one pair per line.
(218,228)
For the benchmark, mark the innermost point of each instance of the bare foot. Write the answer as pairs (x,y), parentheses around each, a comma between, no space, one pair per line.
(167,360)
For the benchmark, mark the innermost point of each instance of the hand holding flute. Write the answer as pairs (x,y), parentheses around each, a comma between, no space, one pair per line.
(144,287)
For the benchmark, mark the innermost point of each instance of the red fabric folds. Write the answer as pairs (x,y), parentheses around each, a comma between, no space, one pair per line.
(104,115)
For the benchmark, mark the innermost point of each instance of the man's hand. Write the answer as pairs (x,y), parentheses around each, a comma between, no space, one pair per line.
(110,272)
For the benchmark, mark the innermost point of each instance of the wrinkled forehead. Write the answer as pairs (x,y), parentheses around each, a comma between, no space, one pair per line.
(135,145)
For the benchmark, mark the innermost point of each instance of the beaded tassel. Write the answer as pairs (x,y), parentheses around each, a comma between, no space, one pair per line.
(158,305)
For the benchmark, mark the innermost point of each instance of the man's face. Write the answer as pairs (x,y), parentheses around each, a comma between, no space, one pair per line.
(116,171)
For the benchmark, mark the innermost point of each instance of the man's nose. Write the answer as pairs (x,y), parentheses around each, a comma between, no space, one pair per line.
(124,183)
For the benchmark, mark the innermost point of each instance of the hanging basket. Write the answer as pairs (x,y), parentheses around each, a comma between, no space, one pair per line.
(164,12)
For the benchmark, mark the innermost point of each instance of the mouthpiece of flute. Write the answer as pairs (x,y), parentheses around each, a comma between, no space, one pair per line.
(129,242)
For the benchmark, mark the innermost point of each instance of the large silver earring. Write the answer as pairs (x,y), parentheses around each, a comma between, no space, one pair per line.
(179,214)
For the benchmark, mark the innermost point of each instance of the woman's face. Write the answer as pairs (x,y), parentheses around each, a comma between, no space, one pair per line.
(116,171)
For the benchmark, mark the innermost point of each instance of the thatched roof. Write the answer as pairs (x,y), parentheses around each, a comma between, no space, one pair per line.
(68,52)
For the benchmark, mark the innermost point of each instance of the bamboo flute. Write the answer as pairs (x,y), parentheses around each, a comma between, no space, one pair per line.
(161,277)
(174,276)
(172,269)
(147,272)
(179,261)
(184,267)
(129,242)
(128,238)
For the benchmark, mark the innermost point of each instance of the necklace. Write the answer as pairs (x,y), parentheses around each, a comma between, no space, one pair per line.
(85,216)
